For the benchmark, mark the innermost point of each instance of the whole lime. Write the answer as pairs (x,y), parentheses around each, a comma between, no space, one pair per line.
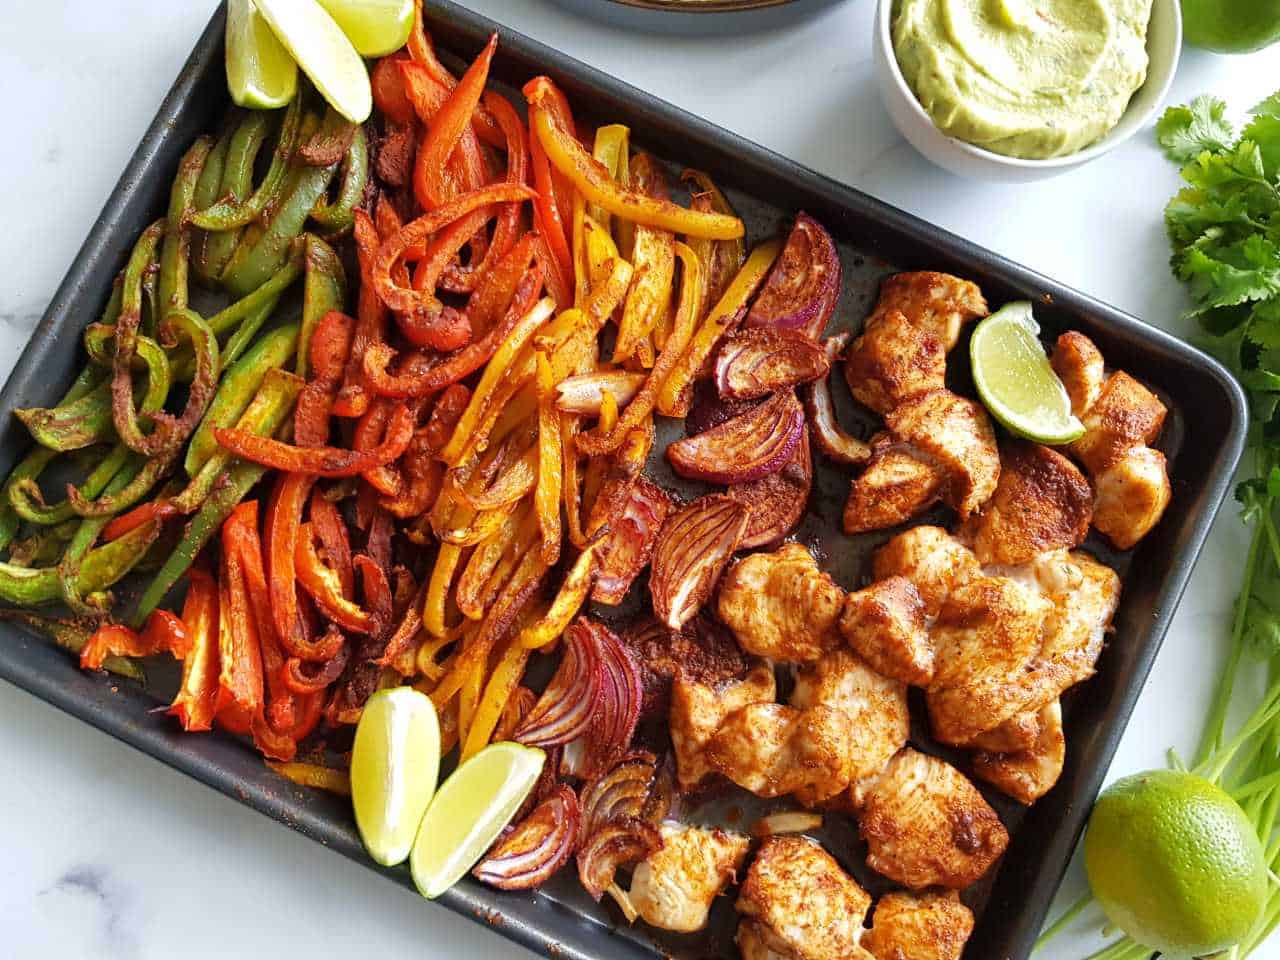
(1231,26)
(1175,863)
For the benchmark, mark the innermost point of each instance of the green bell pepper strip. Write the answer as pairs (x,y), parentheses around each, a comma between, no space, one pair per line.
(175,254)
(43,547)
(153,470)
(263,415)
(336,218)
(29,467)
(324,289)
(240,340)
(204,383)
(128,338)
(230,212)
(84,538)
(260,254)
(72,426)
(242,476)
(72,637)
(24,495)
(237,184)
(101,568)
(154,440)
(236,391)
(111,312)
(206,194)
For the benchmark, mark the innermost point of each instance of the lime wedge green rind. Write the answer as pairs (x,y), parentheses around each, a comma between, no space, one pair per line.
(1015,380)
(395,764)
(261,75)
(323,52)
(374,27)
(469,811)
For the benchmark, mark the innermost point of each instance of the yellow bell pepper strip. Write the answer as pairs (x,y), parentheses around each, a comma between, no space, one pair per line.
(175,254)
(589,176)
(503,682)
(613,149)
(547,493)
(677,392)
(323,291)
(593,479)
(581,269)
(653,259)
(197,697)
(471,594)
(722,259)
(313,775)
(606,295)
(573,594)
(72,636)
(601,441)
(434,606)
(571,484)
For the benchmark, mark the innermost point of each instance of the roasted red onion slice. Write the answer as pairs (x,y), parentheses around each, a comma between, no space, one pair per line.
(803,286)
(756,361)
(776,502)
(567,705)
(614,845)
(748,447)
(633,530)
(621,792)
(537,847)
(709,409)
(695,544)
(613,722)
(584,393)
(827,432)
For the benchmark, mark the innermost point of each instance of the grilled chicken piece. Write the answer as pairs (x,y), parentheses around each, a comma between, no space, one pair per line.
(1019,732)
(896,486)
(1125,415)
(955,434)
(1132,494)
(894,360)
(885,624)
(1079,365)
(936,302)
(797,902)
(771,749)
(985,637)
(1083,594)
(1041,503)
(927,926)
(932,559)
(875,708)
(704,650)
(673,889)
(926,825)
(698,709)
(1027,775)
(780,605)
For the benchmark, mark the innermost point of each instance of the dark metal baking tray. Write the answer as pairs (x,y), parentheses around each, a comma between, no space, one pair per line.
(1204,440)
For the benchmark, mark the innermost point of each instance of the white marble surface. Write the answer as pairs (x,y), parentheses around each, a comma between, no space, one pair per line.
(109,854)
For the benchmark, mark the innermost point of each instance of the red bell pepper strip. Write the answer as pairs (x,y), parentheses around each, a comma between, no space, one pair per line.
(321,461)
(559,280)
(325,587)
(164,633)
(445,133)
(239,652)
(197,697)
(377,592)
(327,523)
(284,516)
(423,53)
(444,247)
(498,286)
(371,319)
(303,680)
(464,168)
(310,709)
(369,430)
(388,89)
(546,215)
(139,515)
(378,546)
(423,476)
(231,716)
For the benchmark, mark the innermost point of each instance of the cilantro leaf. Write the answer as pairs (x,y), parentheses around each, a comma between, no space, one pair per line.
(1264,132)
(1186,132)
(1269,107)
(1222,276)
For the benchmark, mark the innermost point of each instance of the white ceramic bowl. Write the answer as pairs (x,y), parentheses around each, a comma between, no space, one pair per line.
(1164,44)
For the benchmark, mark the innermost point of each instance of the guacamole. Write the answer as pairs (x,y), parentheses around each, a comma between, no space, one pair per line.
(1025,78)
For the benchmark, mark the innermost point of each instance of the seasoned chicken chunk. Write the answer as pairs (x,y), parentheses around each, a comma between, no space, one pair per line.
(781,605)
(1079,365)
(1019,732)
(1083,595)
(926,926)
(955,434)
(1125,415)
(1042,502)
(896,486)
(1027,775)
(698,709)
(1132,494)
(894,360)
(771,749)
(799,903)
(673,888)
(885,624)
(926,825)
(875,708)
(986,635)
(932,559)
(936,302)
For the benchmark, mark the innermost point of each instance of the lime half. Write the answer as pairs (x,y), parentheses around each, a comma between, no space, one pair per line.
(1015,380)
(260,73)
(374,27)
(323,52)
(395,763)
(469,811)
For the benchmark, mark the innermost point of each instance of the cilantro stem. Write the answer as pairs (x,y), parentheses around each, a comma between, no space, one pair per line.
(1063,921)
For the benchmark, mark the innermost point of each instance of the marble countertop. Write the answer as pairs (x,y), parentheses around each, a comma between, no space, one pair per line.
(110,854)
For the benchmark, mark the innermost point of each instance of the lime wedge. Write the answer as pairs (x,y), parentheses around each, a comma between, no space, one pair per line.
(469,811)
(260,73)
(323,52)
(395,763)
(374,27)
(1015,380)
